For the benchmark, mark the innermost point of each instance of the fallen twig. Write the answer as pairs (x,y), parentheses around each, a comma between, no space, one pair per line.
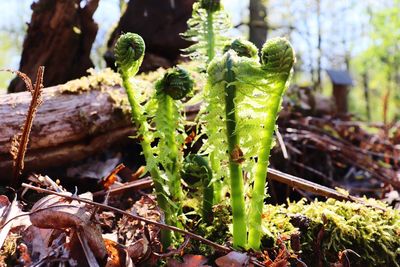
(299,183)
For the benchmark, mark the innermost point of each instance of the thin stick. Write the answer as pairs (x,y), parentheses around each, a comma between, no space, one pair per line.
(302,184)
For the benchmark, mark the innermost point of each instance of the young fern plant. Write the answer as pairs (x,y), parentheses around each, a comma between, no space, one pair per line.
(207,29)
(250,94)
(222,97)
(277,60)
(174,86)
(129,53)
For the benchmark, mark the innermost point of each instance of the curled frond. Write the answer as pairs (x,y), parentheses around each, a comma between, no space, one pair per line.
(195,169)
(177,83)
(243,48)
(129,52)
(277,56)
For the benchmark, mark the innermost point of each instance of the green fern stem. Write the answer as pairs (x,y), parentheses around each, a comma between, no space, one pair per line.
(129,53)
(236,175)
(173,168)
(277,61)
(143,129)
(174,86)
(258,193)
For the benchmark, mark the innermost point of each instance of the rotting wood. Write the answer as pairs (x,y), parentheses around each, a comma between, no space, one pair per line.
(69,126)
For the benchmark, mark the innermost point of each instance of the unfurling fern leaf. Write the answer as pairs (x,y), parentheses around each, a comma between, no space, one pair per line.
(243,97)
(129,53)
(277,57)
(175,85)
(207,29)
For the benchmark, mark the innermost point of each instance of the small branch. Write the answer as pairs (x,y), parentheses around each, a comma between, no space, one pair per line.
(19,144)
(302,184)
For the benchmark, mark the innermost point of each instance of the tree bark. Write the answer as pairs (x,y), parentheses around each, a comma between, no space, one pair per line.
(60,37)
(69,126)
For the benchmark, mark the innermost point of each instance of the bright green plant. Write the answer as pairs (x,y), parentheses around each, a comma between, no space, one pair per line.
(222,96)
(197,170)
(207,29)
(249,94)
(174,86)
(129,53)
(277,59)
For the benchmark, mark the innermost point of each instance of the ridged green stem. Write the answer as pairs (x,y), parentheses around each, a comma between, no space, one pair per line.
(277,60)
(236,175)
(143,129)
(175,178)
(215,165)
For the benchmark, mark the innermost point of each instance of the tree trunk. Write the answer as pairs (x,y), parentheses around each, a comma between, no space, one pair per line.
(160,24)
(258,25)
(60,37)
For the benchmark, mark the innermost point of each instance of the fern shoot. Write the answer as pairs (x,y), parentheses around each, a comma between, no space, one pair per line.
(222,97)
(196,168)
(277,59)
(175,85)
(129,53)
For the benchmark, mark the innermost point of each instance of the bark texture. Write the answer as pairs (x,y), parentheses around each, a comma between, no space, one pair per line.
(59,37)
(69,126)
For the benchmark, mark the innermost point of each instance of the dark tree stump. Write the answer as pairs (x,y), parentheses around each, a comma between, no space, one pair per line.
(160,24)
(60,37)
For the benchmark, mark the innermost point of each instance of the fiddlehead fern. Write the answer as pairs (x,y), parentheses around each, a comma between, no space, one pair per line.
(277,61)
(242,48)
(175,85)
(129,53)
(196,168)
(250,93)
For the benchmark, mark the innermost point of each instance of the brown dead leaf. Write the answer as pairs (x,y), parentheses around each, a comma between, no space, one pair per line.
(233,259)
(117,255)
(54,212)
(189,260)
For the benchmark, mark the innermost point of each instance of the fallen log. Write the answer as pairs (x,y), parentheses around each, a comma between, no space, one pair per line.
(75,121)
